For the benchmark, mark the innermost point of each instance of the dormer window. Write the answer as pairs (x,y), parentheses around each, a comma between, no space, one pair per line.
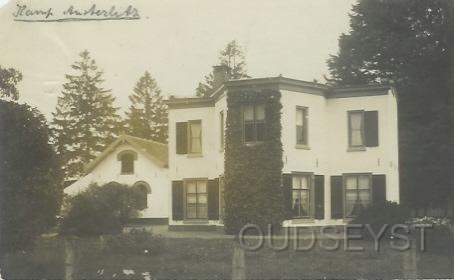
(127,159)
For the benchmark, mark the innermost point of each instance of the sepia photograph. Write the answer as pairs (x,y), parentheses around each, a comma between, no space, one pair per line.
(209,139)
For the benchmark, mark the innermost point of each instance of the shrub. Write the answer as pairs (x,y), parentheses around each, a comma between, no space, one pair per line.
(439,237)
(99,210)
(135,242)
(377,215)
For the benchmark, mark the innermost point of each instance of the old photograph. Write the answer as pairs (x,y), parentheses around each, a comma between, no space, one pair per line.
(209,139)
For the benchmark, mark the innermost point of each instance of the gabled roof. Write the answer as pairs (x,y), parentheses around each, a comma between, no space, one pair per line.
(155,151)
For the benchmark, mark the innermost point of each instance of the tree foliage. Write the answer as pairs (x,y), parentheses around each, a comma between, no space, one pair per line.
(9,78)
(85,120)
(100,210)
(147,115)
(409,44)
(233,57)
(30,176)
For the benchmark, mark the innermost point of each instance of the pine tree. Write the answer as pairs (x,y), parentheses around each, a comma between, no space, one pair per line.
(147,115)
(85,120)
(233,57)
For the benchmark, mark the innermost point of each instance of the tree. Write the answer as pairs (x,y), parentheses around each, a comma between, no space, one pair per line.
(408,43)
(147,115)
(9,78)
(85,120)
(233,57)
(31,180)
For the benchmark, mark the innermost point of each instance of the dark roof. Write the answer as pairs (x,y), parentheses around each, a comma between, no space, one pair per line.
(155,151)
(281,83)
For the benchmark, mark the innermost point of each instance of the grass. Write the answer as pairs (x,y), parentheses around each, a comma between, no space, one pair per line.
(192,258)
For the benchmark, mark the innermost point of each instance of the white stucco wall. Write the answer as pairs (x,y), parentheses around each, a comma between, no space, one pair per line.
(145,170)
(210,164)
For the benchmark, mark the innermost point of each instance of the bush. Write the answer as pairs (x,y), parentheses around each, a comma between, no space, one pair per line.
(135,242)
(377,215)
(438,238)
(99,210)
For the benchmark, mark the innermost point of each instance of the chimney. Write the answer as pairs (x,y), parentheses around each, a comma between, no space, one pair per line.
(221,74)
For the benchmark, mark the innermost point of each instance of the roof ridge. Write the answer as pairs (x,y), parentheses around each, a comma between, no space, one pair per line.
(144,139)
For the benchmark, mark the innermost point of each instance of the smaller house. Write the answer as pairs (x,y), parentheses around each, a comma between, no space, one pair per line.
(136,162)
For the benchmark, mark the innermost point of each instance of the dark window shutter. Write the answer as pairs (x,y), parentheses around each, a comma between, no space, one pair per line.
(379,189)
(371,128)
(287,191)
(182,138)
(337,199)
(319,196)
(177,200)
(213,199)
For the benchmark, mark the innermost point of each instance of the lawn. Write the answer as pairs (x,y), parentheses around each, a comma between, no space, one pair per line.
(197,258)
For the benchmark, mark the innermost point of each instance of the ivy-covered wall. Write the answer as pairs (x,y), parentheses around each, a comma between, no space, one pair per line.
(253,192)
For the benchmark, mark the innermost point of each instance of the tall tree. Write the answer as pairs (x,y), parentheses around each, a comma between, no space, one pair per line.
(147,115)
(408,43)
(30,177)
(85,120)
(233,57)
(9,78)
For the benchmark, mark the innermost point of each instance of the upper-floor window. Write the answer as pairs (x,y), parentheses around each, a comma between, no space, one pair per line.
(302,128)
(358,194)
(189,137)
(254,123)
(362,129)
(127,159)
(221,130)
(301,195)
(195,137)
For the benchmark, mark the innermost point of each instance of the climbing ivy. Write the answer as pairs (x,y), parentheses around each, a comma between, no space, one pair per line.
(253,192)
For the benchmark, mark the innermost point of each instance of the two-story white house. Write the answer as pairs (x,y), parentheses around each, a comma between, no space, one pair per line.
(339,148)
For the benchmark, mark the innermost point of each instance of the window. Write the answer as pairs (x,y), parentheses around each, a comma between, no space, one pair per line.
(302,126)
(196,199)
(356,128)
(126,159)
(195,137)
(142,190)
(254,123)
(357,193)
(301,196)
(362,129)
(221,129)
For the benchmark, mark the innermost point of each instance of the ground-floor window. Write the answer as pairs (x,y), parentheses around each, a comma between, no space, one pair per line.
(301,195)
(196,198)
(357,193)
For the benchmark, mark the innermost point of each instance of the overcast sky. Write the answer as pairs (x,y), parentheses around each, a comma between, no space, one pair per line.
(176,41)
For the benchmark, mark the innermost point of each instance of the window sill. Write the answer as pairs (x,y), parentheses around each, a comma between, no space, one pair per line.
(302,147)
(356,149)
(253,144)
(195,221)
(296,221)
(194,155)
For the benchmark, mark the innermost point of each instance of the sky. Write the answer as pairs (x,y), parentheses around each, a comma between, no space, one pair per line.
(177,41)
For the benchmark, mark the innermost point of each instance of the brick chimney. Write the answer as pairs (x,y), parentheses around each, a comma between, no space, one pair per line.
(221,74)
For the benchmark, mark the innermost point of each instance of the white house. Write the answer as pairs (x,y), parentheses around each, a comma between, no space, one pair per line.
(340,149)
(136,162)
